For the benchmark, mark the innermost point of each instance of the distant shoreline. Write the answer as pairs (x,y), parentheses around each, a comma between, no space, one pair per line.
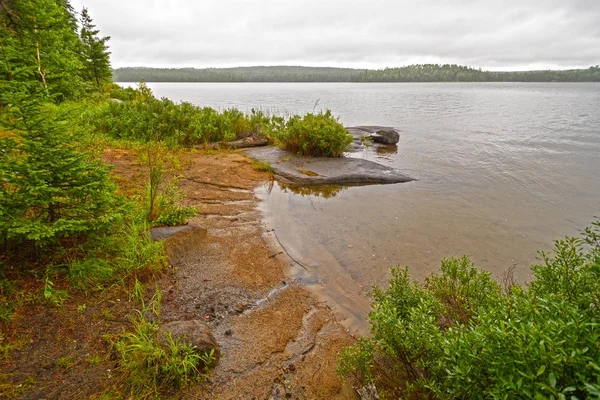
(413,73)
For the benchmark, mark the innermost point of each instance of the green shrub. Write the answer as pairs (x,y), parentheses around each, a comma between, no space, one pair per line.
(314,135)
(145,118)
(459,335)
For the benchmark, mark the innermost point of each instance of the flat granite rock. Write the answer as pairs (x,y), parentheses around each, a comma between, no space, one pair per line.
(305,171)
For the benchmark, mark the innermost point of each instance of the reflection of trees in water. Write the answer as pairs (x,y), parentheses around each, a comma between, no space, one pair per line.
(326,192)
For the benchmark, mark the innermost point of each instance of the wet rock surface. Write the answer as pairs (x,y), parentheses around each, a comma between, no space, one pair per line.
(275,337)
(381,137)
(307,171)
(165,232)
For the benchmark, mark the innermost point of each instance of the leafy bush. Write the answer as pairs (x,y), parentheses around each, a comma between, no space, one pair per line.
(143,117)
(314,135)
(459,335)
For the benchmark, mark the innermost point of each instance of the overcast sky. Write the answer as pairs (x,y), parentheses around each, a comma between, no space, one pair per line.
(496,35)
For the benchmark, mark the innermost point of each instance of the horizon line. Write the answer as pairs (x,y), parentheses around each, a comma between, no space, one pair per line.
(362,69)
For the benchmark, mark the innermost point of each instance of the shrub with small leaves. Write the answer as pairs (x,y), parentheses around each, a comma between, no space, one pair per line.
(314,135)
(459,335)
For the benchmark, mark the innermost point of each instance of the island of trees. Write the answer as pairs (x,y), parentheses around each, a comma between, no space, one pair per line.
(411,73)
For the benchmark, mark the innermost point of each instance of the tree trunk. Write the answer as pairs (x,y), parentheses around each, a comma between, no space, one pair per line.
(37,51)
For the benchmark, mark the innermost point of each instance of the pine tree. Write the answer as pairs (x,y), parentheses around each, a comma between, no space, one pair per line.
(96,57)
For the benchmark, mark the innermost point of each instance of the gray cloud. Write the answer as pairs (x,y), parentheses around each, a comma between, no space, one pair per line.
(509,34)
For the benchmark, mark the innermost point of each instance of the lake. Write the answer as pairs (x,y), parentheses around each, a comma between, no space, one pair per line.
(503,169)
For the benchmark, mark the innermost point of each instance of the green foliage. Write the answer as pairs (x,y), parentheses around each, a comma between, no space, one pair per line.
(132,250)
(50,188)
(459,335)
(314,135)
(163,197)
(148,119)
(65,362)
(54,297)
(142,117)
(124,251)
(39,43)
(94,52)
(460,73)
(262,166)
(151,367)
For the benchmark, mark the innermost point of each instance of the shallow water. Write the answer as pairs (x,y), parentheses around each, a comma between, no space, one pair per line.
(503,170)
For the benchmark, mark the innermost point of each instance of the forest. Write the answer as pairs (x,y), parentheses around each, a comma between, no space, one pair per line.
(411,73)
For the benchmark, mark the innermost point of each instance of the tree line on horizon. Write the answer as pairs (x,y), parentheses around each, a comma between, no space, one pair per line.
(411,73)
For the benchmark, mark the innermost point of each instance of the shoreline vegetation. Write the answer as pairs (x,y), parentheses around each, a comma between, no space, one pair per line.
(88,168)
(410,73)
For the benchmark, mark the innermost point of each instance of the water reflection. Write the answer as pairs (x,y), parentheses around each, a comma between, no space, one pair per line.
(327,192)
(387,149)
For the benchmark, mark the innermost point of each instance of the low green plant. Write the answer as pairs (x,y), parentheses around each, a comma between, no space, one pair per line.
(53,296)
(7,309)
(314,135)
(262,166)
(150,366)
(136,253)
(460,335)
(168,209)
(94,360)
(137,294)
(65,362)
(7,347)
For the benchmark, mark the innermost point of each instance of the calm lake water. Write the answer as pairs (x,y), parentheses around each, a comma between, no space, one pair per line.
(502,169)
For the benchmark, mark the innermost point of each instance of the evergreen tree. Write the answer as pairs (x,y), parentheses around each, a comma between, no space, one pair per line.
(96,57)
(42,35)
(49,188)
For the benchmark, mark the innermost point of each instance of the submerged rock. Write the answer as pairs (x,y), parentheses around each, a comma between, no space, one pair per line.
(304,171)
(386,136)
(381,136)
(194,333)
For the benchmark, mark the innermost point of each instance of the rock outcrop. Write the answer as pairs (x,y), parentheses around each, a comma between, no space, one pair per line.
(382,137)
(305,171)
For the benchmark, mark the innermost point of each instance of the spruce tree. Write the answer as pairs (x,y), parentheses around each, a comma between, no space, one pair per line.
(49,188)
(42,34)
(96,57)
